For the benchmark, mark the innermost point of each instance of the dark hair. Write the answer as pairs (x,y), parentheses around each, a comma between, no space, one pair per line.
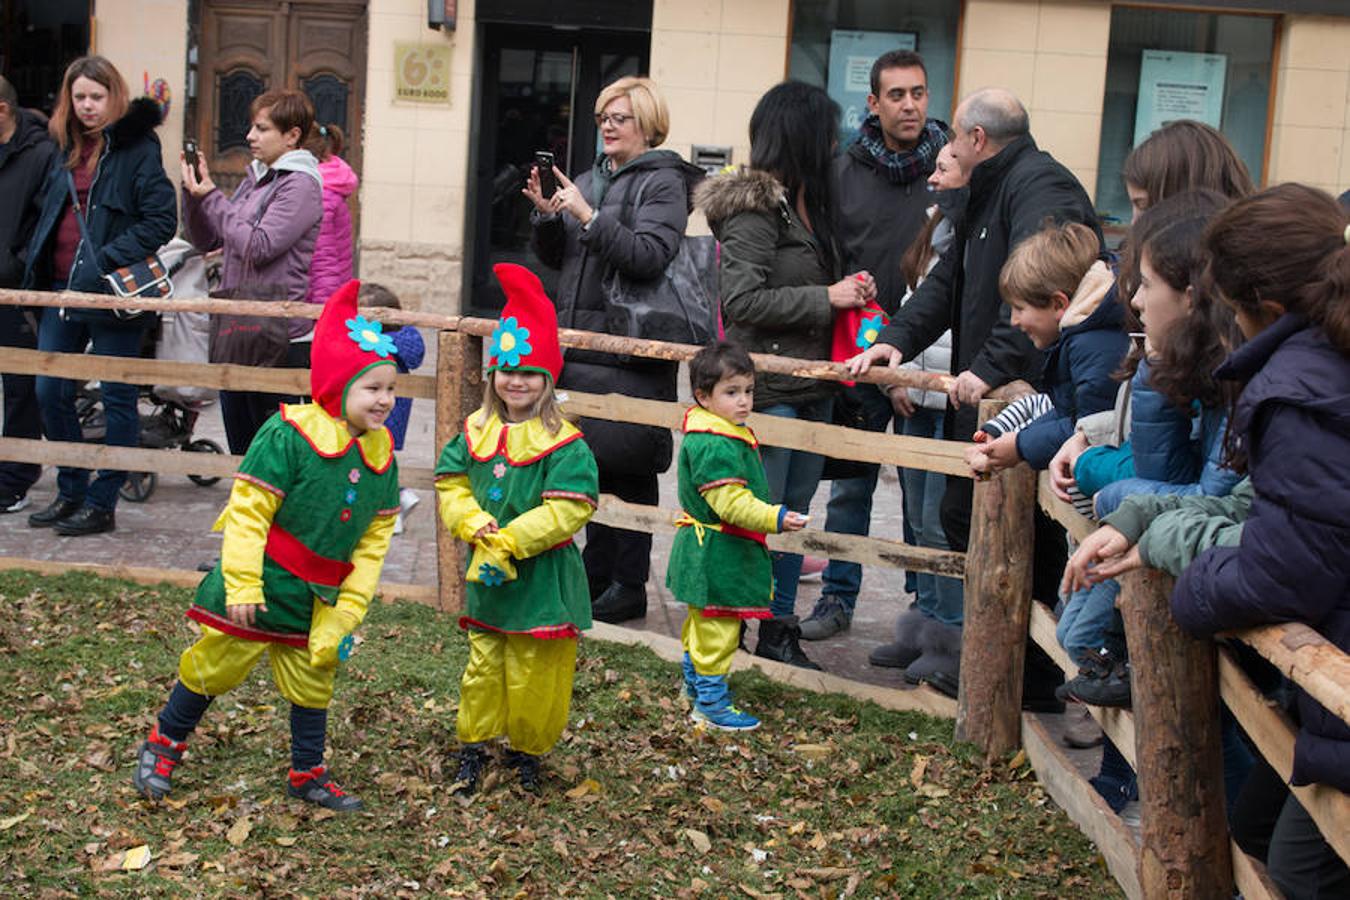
(914,264)
(326,141)
(792,137)
(8,95)
(373,293)
(1286,244)
(1185,156)
(1171,235)
(895,59)
(286,109)
(715,362)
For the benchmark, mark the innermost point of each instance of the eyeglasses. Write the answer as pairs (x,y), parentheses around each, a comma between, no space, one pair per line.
(618,119)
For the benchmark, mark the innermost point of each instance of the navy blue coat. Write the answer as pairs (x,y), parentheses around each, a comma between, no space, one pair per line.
(1293,564)
(132,210)
(1078,379)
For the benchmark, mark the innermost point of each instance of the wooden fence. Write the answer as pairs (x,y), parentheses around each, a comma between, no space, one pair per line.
(1171,737)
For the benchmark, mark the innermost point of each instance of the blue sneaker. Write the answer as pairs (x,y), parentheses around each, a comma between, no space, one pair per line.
(690,690)
(714,707)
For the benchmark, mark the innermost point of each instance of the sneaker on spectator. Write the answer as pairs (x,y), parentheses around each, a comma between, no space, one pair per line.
(827,619)
(12,503)
(1109,689)
(812,567)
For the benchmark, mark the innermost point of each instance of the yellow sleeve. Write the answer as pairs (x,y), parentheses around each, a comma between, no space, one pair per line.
(459,510)
(330,624)
(246,520)
(547,525)
(734,504)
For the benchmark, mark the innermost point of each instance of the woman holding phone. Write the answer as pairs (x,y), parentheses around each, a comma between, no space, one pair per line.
(587,228)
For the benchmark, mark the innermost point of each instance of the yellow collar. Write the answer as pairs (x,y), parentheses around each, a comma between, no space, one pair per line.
(698,419)
(329,437)
(521,442)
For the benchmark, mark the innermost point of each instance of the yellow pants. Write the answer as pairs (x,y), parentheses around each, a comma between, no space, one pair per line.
(219,662)
(710,641)
(518,686)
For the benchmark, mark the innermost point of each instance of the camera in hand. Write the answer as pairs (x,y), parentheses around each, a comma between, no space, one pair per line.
(543,164)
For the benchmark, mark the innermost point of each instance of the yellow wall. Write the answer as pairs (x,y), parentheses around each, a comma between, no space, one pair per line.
(148,36)
(1311,136)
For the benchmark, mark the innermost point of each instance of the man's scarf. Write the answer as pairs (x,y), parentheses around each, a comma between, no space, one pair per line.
(904,166)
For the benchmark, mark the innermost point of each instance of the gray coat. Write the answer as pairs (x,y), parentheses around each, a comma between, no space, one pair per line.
(775,279)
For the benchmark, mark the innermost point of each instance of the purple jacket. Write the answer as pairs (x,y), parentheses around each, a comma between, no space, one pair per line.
(332,267)
(272,248)
(1293,564)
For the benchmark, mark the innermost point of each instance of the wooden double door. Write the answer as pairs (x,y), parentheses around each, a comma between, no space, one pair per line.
(247,47)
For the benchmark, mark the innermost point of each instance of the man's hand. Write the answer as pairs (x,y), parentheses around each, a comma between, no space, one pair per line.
(877,353)
(1088,565)
(900,402)
(968,388)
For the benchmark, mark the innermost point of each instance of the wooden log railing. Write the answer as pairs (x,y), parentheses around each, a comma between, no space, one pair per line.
(1184,850)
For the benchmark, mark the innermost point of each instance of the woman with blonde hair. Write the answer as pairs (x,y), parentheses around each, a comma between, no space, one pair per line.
(626,214)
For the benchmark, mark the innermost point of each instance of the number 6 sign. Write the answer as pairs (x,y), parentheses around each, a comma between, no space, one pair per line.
(422,73)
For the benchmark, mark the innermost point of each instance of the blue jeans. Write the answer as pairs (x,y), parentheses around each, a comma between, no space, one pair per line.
(56,399)
(793,477)
(1086,620)
(941,597)
(850,507)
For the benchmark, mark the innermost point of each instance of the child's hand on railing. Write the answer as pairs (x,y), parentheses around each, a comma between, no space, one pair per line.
(794,521)
(978,461)
(1104,554)
(993,456)
(1061,466)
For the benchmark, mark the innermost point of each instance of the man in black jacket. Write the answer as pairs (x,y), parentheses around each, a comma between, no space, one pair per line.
(25,156)
(882,196)
(1014,189)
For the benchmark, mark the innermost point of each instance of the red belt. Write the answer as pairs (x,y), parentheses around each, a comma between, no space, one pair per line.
(286,551)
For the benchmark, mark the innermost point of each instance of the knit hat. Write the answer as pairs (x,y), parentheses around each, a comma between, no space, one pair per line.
(346,346)
(526,337)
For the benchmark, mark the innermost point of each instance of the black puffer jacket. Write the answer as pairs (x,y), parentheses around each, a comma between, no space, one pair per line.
(24,162)
(1011,197)
(775,279)
(640,242)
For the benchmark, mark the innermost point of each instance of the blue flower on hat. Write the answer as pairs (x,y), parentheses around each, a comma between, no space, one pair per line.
(370,336)
(510,341)
(491,575)
(869,329)
(345,648)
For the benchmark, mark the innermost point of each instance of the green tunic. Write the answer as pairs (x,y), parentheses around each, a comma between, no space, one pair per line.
(549,596)
(328,503)
(722,574)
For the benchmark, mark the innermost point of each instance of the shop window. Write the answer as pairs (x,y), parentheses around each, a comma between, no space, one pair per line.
(835,41)
(1164,65)
(38,39)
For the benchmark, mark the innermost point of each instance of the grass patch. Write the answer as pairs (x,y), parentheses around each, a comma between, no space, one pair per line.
(831,798)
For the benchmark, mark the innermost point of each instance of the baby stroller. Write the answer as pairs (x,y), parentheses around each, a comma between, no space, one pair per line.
(172,411)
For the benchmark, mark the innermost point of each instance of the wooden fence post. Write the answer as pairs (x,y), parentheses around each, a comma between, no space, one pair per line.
(1174,678)
(997,607)
(459,390)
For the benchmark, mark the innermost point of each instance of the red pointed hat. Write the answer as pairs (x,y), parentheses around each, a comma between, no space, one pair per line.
(346,346)
(526,336)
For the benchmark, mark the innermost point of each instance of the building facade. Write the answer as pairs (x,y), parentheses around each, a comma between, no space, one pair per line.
(443,120)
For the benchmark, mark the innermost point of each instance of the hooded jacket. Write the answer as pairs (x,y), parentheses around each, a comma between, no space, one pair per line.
(332,265)
(775,279)
(1078,366)
(131,211)
(1293,561)
(1011,196)
(268,228)
(24,162)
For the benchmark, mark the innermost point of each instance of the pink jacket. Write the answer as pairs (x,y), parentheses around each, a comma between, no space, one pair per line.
(332,267)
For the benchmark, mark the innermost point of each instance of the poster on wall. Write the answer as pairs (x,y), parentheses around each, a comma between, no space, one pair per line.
(850,75)
(422,72)
(1174,84)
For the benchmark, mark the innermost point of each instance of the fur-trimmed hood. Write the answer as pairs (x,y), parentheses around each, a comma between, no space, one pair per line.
(723,196)
(143,116)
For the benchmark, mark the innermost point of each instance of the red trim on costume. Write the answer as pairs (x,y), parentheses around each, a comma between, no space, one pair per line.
(721,482)
(753,441)
(738,531)
(559,545)
(287,551)
(500,449)
(736,612)
(391,511)
(361,450)
(259,483)
(444,475)
(543,632)
(569,495)
(222,624)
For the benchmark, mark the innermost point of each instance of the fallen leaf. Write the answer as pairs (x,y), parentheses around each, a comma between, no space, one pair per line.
(239,831)
(698,839)
(917,772)
(178,860)
(712,804)
(813,751)
(7,824)
(827,873)
(136,858)
(589,786)
(287,841)
(933,791)
(1019,760)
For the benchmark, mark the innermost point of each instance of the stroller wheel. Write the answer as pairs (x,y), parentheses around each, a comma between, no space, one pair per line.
(202,445)
(138,487)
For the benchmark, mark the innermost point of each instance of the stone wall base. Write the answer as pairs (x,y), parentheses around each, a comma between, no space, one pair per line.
(424,277)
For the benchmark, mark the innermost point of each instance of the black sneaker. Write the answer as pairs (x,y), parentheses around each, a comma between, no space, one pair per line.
(155,762)
(527,766)
(318,787)
(12,503)
(473,759)
(57,510)
(1110,689)
(86,520)
(827,619)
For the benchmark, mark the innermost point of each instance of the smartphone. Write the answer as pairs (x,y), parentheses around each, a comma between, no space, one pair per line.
(543,163)
(192,157)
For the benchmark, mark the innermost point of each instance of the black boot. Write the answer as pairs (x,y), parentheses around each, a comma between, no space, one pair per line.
(528,767)
(473,759)
(58,509)
(86,520)
(778,639)
(619,603)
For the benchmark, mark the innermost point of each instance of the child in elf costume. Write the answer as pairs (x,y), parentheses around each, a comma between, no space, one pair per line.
(719,566)
(517,483)
(306,530)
